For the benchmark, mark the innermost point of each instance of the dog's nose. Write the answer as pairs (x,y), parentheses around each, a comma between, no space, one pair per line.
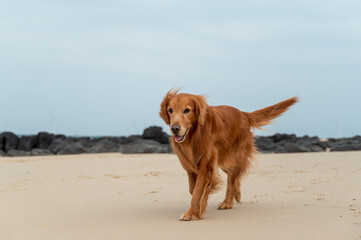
(175,128)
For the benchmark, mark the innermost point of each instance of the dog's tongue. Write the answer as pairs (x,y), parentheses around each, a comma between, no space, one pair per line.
(177,138)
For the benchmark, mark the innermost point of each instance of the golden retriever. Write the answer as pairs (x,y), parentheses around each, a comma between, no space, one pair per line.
(207,137)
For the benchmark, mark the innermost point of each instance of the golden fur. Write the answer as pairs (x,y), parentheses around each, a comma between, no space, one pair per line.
(207,137)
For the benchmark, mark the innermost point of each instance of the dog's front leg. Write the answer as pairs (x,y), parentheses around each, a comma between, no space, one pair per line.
(192,178)
(194,210)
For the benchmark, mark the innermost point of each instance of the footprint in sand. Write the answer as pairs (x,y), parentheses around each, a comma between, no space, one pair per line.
(85,176)
(320,196)
(151,192)
(154,174)
(112,175)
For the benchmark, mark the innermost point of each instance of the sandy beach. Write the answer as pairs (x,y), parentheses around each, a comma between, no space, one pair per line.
(115,196)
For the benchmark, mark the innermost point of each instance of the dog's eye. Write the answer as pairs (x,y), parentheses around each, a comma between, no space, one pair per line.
(170,110)
(187,110)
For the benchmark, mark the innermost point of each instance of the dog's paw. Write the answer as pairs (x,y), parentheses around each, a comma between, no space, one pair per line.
(187,216)
(224,206)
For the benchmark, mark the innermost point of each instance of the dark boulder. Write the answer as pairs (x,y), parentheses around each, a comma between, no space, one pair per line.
(156,133)
(27,143)
(60,136)
(40,152)
(318,146)
(311,144)
(283,137)
(72,148)
(356,138)
(346,146)
(85,141)
(104,146)
(118,140)
(17,153)
(133,138)
(45,139)
(2,153)
(56,145)
(293,148)
(67,146)
(8,141)
(307,138)
(265,144)
(145,146)
(284,143)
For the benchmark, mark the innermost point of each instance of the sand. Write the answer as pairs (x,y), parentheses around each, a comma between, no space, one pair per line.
(115,196)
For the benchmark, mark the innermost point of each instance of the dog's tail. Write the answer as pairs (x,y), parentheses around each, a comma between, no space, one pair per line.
(265,116)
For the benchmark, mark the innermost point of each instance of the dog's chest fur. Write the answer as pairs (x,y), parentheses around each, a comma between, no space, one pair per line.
(187,157)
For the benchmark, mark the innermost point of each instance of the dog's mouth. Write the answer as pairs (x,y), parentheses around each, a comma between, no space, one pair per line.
(180,139)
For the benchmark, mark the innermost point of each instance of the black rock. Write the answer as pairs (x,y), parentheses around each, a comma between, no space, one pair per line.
(283,137)
(356,138)
(145,146)
(8,141)
(104,146)
(27,143)
(345,146)
(315,148)
(75,148)
(45,139)
(309,139)
(60,136)
(40,152)
(2,153)
(85,141)
(56,145)
(311,144)
(293,148)
(332,140)
(156,133)
(133,138)
(118,140)
(318,146)
(67,146)
(265,144)
(281,143)
(17,153)
(152,132)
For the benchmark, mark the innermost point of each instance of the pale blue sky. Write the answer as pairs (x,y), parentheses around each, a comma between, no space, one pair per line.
(102,67)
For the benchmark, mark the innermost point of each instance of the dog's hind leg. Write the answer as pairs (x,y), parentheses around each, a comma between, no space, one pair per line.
(237,188)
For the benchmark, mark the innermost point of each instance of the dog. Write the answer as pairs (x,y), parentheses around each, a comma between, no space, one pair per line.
(207,137)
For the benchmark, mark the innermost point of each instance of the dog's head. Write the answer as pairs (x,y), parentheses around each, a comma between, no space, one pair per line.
(183,113)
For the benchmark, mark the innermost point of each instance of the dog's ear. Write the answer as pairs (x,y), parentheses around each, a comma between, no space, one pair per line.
(163,106)
(201,109)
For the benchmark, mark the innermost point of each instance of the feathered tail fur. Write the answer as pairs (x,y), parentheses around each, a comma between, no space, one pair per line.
(264,116)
